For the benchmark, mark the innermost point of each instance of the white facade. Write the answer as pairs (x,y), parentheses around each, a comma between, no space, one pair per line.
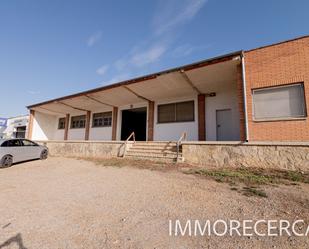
(15,127)
(226,98)
(173,131)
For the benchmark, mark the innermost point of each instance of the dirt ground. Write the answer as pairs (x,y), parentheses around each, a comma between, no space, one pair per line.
(70,203)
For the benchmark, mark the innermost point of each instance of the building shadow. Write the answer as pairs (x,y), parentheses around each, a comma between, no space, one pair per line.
(17,239)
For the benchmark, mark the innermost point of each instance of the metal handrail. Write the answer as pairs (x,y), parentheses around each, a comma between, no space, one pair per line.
(183,137)
(131,135)
(127,140)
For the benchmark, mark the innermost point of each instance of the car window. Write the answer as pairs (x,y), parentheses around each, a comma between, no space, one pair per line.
(26,142)
(11,143)
(5,144)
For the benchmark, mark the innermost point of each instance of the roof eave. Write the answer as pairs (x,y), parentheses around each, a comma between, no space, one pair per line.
(187,67)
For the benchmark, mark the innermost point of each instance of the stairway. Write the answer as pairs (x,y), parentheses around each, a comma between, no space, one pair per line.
(156,151)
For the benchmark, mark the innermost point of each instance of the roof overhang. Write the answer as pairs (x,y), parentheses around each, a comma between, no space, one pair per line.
(201,77)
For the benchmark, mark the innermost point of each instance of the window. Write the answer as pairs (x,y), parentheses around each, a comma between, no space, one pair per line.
(61,123)
(103,119)
(282,102)
(176,112)
(26,142)
(11,143)
(78,122)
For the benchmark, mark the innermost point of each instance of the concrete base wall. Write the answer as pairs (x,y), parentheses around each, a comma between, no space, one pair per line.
(235,154)
(84,148)
(206,154)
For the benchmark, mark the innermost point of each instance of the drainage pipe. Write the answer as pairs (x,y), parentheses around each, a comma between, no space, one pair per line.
(244,86)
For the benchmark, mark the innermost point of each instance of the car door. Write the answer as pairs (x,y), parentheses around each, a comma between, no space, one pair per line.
(30,149)
(14,148)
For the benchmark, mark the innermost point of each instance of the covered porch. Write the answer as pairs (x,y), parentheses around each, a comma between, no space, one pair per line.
(203,99)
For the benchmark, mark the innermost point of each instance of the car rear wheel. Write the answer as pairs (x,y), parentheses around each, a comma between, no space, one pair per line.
(6,161)
(44,155)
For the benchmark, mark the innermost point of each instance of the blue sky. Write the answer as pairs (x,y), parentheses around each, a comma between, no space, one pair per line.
(53,48)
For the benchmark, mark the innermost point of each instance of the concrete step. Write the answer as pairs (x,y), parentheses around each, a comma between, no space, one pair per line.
(153,158)
(157,149)
(155,145)
(153,153)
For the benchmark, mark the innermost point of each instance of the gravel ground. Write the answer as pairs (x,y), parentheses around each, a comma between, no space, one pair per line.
(69,203)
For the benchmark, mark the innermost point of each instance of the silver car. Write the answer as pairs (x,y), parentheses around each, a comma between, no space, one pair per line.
(18,150)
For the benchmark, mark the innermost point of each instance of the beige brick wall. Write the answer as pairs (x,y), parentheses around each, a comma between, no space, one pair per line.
(279,64)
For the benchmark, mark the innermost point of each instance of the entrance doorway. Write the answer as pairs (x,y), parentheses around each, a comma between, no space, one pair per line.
(224,130)
(134,120)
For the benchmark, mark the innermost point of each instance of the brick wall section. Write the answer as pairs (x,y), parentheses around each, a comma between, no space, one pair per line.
(274,65)
(87,128)
(201,117)
(240,97)
(114,123)
(150,120)
(66,126)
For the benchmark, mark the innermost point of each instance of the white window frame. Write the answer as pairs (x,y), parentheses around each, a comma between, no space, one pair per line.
(280,118)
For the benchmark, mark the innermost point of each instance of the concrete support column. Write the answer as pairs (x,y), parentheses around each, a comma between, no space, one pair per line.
(114,123)
(87,128)
(241,108)
(201,117)
(30,126)
(150,120)
(66,126)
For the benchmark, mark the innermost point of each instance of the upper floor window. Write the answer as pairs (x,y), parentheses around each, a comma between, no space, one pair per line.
(78,121)
(61,123)
(103,119)
(280,102)
(176,112)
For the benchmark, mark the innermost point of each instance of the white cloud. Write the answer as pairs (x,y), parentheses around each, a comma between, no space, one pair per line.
(172,13)
(94,38)
(183,50)
(33,92)
(102,70)
(187,49)
(120,64)
(148,56)
(168,17)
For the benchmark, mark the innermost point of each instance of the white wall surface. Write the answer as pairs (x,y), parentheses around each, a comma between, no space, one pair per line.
(226,98)
(59,134)
(101,133)
(76,134)
(43,126)
(173,131)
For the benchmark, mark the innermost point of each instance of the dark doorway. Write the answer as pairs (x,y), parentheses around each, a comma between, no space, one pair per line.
(134,120)
(20,132)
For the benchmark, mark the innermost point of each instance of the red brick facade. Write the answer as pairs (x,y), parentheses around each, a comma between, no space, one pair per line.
(278,64)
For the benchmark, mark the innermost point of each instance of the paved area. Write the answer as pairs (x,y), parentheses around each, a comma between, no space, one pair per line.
(70,203)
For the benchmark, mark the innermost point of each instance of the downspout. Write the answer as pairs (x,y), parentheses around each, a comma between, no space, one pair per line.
(244,86)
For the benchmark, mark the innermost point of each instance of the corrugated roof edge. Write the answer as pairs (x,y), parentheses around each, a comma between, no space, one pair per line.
(145,77)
